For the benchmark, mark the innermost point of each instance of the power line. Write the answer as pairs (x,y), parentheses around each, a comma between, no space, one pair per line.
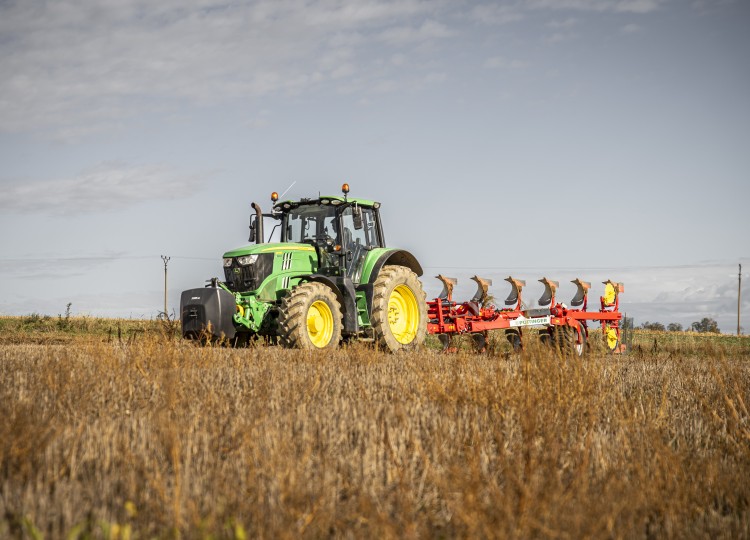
(109,258)
(572,268)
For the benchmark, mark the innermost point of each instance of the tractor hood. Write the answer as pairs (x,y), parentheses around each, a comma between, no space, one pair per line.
(258,249)
(267,270)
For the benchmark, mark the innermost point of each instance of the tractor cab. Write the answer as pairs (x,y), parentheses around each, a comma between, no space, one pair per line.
(341,230)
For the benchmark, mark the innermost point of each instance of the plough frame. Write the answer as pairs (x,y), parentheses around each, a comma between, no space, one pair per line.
(560,323)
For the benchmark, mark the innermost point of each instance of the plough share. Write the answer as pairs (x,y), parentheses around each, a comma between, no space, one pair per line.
(560,325)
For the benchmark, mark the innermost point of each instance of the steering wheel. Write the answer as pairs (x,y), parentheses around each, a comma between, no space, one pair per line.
(323,242)
(326,242)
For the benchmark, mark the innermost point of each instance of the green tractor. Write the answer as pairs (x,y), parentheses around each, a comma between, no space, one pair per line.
(329,279)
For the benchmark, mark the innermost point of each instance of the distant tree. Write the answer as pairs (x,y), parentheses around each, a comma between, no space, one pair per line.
(706,324)
(674,327)
(659,327)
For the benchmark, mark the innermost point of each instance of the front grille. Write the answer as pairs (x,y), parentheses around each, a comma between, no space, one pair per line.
(248,278)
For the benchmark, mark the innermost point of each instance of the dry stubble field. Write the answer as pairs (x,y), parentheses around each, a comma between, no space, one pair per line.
(146,436)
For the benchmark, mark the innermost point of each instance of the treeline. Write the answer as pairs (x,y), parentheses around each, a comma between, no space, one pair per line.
(706,324)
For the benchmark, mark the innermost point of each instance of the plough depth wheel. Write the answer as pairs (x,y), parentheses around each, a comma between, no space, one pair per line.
(567,340)
(611,337)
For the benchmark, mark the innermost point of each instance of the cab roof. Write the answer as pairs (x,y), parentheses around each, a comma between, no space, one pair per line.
(333,200)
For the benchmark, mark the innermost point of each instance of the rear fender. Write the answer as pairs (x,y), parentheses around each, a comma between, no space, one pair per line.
(399,257)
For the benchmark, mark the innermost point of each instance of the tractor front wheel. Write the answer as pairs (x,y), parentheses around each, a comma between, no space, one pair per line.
(399,309)
(310,318)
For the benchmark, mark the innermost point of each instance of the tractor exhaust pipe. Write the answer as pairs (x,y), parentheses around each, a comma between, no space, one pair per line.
(256,229)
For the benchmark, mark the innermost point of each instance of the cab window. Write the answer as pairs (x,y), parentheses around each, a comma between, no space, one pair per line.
(308,223)
(367,236)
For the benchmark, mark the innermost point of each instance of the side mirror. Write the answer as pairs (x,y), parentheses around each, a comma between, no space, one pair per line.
(357,215)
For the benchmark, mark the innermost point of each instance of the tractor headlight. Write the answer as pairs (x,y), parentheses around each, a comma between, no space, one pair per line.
(227,262)
(247,259)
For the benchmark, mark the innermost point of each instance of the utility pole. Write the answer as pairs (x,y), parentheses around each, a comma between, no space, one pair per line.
(166,261)
(739,296)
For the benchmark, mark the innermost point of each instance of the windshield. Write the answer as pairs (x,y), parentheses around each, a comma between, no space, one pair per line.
(309,222)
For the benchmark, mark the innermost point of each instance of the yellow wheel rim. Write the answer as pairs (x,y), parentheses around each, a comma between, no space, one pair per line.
(610,334)
(320,324)
(403,314)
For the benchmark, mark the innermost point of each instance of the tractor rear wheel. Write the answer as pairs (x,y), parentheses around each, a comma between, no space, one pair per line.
(399,309)
(310,318)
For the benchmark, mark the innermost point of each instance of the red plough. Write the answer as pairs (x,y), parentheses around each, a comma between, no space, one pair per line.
(559,324)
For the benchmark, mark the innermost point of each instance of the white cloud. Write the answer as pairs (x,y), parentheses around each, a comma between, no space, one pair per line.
(500,62)
(398,59)
(429,30)
(637,6)
(135,304)
(566,23)
(496,14)
(617,6)
(80,66)
(51,267)
(631,29)
(108,186)
(75,67)
(560,37)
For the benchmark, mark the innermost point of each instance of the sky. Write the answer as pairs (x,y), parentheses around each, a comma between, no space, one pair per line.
(601,139)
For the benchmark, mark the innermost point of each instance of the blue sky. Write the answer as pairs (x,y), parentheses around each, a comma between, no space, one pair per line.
(593,138)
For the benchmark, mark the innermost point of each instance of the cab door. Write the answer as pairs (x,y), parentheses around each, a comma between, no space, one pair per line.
(359,234)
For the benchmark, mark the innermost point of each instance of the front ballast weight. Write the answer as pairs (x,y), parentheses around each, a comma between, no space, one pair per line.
(560,325)
(207,313)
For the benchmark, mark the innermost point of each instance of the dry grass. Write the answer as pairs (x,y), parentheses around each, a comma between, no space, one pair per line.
(153,437)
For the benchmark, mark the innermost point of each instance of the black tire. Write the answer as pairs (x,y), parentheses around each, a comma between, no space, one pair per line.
(445,341)
(566,338)
(579,349)
(479,342)
(395,327)
(303,318)
(514,338)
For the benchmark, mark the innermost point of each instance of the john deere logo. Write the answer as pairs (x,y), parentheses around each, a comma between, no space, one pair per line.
(236,270)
